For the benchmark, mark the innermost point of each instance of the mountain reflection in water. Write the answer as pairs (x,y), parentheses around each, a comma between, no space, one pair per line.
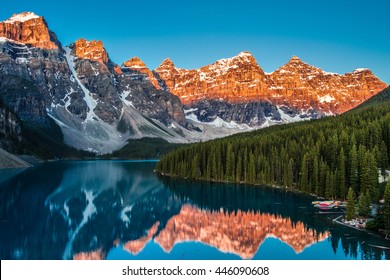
(120,209)
(238,232)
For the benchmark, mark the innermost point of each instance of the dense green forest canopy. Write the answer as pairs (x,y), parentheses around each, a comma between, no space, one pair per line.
(144,148)
(324,157)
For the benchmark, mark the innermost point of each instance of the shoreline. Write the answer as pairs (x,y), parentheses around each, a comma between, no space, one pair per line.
(336,220)
(288,189)
(37,161)
(377,234)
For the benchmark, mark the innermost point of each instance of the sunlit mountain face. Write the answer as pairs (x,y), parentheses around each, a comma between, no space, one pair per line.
(122,210)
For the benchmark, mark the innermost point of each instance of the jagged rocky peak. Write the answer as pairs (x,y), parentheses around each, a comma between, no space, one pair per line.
(117,70)
(295,58)
(166,73)
(245,56)
(362,70)
(29,29)
(92,50)
(165,67)
(295,63)
(167,63)
(242,60)
(215,81)
(134,63)
(295,66)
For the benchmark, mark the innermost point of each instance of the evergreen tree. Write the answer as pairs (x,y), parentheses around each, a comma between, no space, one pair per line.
(364,171)
(372,175)
(386,208)
(342,172)
(304,174)
(323,173)
(383,158)
(239,170)
(329,185)
(285,174)
(252,168)
(354,178)
(364,205)
(368,203)
(214,167)
(195,170)
(316,174)
(290,173)
(229,162)
(351,212)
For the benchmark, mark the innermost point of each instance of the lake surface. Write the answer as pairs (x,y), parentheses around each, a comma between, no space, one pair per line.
(122,210)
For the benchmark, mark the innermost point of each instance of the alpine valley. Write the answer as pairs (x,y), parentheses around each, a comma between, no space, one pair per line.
(75,98)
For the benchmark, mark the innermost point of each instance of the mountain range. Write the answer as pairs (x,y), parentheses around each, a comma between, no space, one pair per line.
(77,96)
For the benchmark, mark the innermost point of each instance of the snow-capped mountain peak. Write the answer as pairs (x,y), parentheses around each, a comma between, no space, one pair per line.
(241,58)
(166,65)
(22,17)
(30,29)
(134,63)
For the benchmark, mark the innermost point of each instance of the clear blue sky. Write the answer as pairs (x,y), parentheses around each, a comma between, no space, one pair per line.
(336,35)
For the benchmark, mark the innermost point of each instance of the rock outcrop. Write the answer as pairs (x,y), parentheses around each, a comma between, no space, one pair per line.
(140,87)
(92,50)
(93,69)
(10,130)
(137,64)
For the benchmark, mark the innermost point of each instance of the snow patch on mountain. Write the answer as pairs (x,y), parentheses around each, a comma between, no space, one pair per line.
(123,97)
(186,111)
(290,119)
(361,70)
(223,65)
(91,103)
(326,99)
(218,122)
(22,17)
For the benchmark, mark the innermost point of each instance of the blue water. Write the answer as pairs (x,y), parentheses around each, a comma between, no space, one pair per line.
(123,210)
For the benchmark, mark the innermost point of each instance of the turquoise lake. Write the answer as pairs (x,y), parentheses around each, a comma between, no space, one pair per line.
(123,210)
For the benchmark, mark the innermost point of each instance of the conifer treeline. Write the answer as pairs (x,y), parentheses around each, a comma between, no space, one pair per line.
(324,157)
